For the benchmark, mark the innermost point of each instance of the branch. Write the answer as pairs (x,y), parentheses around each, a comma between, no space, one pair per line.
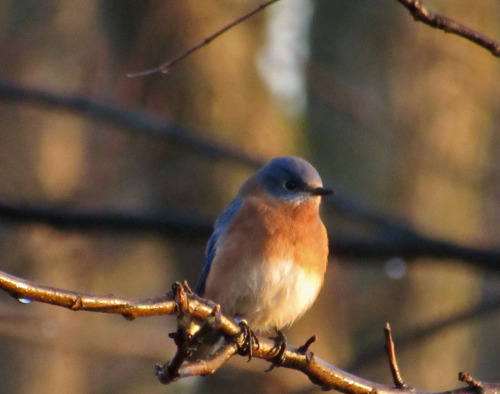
(485,308)
(390,349)
(193,227)
(414,6)
(167,305)
(182,303)
(139,121)
(172,223)
(449,25)
(165,67)
(396,237)
(410,245)
(130,308)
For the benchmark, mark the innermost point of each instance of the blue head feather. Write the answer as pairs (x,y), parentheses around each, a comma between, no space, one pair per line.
(291,178)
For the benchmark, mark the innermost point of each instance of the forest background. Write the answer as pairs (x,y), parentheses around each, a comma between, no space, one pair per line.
(396,116)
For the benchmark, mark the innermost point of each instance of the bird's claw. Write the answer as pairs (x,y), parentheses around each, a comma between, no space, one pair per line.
(246,340)
(279,349)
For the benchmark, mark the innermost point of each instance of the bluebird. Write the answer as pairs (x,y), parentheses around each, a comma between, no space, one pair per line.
(266,259)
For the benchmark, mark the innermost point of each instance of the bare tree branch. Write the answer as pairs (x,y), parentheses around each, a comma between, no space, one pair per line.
(195,228)
(416,8)
(410,245)
(318,371)
(139,121)
(190,226)
(301,359)
(395,237)
(22,289)
(165,67)
(421,14)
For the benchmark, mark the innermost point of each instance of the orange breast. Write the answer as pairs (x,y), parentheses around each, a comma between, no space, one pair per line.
(265,232)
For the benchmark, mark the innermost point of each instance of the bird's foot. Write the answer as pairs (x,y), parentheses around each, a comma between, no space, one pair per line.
(279,349)
(246,340)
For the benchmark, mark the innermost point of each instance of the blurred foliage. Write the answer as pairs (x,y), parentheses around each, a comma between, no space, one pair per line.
(401,114)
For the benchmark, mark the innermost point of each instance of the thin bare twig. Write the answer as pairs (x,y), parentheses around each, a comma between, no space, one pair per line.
(466,378)
(421,14)
(305,347)
(393,363)
(485,308)
(201,367)
(165,67)
(415,7)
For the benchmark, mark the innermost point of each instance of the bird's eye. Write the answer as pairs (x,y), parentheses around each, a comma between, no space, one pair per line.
(290,185)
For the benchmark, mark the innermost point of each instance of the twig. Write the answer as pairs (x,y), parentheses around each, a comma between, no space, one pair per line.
(201,367)
(421,14)
(477,385)
(393,363)
(487,307)
(165,67)
(466,378)
(181,337)
(305,347)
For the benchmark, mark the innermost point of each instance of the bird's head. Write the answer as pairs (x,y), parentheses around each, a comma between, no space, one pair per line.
(291,179)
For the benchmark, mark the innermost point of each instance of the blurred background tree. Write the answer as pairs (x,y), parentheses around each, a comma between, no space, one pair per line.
(391,110)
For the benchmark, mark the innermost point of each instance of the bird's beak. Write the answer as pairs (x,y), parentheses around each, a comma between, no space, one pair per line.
(321,191)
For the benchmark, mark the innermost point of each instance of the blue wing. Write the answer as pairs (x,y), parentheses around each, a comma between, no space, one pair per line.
(221,226)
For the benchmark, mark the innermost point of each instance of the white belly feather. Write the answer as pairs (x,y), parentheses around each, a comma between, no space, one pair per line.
(272,294)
